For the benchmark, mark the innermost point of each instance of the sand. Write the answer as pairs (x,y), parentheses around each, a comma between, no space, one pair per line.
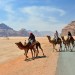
(12,59)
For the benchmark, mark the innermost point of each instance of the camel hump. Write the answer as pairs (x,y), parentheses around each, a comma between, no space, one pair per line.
(37,41)
(34,43)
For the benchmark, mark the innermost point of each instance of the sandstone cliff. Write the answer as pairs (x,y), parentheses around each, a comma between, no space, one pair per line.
(70,27)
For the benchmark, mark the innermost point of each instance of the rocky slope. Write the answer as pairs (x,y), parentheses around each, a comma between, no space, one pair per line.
(70,27)
(7,31)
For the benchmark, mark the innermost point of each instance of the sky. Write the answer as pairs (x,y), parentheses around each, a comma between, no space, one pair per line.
(41,15)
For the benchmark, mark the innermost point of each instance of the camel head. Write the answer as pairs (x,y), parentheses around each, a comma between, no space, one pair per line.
(48,37)
(20,45)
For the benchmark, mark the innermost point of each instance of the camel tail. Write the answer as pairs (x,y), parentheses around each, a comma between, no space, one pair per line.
(38,45)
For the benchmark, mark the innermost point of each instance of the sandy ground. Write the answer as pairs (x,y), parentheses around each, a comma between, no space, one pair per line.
(12,59)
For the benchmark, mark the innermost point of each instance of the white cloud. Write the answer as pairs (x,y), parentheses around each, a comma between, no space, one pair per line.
(38,17)
(41,17)
(33,10)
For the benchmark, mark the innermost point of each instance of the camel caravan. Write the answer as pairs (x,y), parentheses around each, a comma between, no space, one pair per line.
(62,41)
(34,45)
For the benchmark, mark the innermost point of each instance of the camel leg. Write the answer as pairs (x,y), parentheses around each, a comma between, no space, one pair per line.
(37,51)
(54,47)
(60,47)
(26,54)
(66,47)
(41,50)
(72,46)
(32,53)
(69,47)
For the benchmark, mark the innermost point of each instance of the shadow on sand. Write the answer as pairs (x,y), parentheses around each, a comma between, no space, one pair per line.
(38,57)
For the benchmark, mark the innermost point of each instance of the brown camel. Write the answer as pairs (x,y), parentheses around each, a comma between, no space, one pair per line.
(33,47)
(26,48)
(38,45)
(55,43)
(71,40)
(66,42)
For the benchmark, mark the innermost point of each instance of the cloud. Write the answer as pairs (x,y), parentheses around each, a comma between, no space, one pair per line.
(33,10)
(32,17)
(7,5)
(43,17)
(43,13)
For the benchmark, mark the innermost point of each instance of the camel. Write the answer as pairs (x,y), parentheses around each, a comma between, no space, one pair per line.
(34,48)
(71,40)
(66,43)
(26,48)
(38,45)
(55,43)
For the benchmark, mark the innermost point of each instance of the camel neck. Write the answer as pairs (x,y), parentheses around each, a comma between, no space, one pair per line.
(49,40)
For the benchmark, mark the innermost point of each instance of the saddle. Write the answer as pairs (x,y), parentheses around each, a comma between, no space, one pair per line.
(29,44)
(70,38)
(58,39)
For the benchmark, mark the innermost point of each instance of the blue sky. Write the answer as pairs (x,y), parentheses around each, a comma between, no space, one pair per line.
(41,15)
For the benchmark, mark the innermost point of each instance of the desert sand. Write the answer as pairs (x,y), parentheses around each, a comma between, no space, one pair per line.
(12,59)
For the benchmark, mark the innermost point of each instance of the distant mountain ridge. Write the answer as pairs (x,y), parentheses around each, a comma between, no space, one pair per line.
(70,27)
(8,31)
(3,26)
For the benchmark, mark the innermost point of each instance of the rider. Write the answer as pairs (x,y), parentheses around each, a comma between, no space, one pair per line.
(31,39)
(56,36)
(69,35)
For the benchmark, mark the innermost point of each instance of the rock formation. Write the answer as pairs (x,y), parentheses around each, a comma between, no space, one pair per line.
(70,27)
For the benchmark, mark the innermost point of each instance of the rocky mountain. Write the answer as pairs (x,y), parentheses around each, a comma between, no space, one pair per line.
(70,27)
(8,31)
(3,26)
(23,32)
